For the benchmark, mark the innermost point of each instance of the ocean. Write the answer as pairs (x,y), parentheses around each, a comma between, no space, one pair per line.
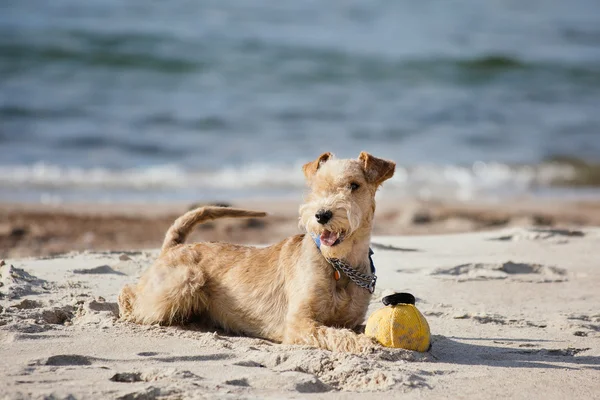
(111,101)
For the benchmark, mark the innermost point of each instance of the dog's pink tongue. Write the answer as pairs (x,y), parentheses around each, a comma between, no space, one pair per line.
(329,238)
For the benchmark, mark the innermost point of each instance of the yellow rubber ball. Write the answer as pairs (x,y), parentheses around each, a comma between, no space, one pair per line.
(400,326)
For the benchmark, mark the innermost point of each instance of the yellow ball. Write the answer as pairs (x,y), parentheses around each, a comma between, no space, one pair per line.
(401,326)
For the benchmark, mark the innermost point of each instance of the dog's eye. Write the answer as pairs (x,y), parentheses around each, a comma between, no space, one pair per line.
(353,186)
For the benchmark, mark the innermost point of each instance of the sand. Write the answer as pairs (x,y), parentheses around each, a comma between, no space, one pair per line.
(44,230)
(514,313)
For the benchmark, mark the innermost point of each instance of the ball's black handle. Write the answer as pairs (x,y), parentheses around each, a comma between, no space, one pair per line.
(398,298)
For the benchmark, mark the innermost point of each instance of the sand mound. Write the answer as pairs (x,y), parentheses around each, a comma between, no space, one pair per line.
(507,270)
(16,283)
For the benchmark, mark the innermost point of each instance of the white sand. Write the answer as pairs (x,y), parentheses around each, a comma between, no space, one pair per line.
(515,314)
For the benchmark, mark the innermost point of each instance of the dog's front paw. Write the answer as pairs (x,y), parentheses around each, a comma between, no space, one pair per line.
(367,345)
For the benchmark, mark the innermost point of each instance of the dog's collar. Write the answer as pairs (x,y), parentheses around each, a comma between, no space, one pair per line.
(364,281)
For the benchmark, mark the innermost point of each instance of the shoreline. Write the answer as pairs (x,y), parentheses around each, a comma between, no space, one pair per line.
(40,230)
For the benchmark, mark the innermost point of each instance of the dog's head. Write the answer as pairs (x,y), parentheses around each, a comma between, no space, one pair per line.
(341,200)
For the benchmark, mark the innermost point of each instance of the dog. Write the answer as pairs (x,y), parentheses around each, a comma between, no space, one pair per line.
(309,289)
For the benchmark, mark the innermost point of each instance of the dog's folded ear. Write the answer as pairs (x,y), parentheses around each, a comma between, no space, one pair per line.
(310,169)
(376,169)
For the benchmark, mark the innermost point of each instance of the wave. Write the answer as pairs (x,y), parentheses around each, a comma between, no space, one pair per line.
(118,51)
(166,177)
(22,112)
(424,181)
(290,62)
(121,60)
(334,65)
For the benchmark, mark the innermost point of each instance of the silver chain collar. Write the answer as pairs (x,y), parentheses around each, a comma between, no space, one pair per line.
(362,280)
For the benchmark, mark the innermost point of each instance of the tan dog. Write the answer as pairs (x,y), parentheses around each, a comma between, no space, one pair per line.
(288,292)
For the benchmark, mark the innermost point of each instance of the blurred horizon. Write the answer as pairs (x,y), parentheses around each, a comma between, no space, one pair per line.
(117,102)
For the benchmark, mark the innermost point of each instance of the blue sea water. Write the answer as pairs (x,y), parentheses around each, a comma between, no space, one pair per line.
(104,100)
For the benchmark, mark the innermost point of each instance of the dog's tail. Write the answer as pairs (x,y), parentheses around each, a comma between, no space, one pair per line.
(181,228)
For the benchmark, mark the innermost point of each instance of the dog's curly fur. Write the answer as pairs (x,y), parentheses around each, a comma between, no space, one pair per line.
(285,292)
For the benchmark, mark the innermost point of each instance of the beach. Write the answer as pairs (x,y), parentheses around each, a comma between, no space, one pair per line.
(118,117)
(513,311)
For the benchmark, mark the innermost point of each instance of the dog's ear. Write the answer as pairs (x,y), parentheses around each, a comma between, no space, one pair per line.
(376,169)
(310,169)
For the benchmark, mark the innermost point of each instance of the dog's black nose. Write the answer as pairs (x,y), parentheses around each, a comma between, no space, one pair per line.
(323,216)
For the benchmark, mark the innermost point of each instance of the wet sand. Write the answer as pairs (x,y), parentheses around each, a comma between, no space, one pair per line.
(42,230)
